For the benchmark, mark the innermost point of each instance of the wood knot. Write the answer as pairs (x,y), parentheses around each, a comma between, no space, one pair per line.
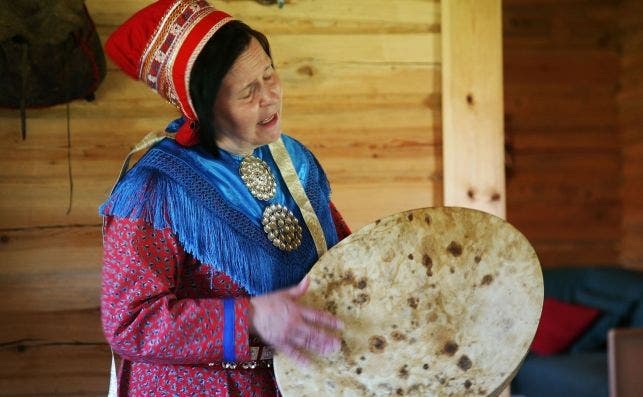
(306,70)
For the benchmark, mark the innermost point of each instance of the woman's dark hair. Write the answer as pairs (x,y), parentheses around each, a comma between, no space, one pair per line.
(210,67)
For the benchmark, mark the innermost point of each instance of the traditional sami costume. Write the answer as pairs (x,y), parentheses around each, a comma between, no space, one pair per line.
(187,243)
(184,250)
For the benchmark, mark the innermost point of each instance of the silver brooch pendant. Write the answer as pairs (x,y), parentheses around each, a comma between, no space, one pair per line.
(256,175)
(281,227)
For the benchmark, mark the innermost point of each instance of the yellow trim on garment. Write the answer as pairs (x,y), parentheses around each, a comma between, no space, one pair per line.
(287,170)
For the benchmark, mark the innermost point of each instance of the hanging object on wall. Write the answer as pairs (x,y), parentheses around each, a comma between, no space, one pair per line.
(50,54)
(280,3)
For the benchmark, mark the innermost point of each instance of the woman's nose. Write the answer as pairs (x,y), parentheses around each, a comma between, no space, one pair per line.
(270,94)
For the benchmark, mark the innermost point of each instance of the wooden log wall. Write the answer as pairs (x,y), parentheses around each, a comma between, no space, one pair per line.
(630,104)
(362,89)
(561,66)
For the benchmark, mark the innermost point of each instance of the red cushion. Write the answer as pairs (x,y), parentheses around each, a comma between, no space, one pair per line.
(560,324)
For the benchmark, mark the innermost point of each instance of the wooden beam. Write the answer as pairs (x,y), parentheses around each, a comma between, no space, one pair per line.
(472,105)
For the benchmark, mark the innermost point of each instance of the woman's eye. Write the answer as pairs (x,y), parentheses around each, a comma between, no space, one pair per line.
(246,94)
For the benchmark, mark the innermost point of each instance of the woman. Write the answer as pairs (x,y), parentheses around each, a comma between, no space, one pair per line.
(207,239)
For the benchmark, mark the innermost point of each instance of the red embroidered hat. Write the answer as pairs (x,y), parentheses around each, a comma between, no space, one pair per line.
(159,45)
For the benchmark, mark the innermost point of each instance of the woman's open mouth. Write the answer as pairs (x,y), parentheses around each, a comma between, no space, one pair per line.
(269,121)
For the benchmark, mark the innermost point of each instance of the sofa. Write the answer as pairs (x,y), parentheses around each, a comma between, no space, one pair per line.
(569,353)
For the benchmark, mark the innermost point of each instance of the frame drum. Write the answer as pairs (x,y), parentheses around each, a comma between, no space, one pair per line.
(435,302)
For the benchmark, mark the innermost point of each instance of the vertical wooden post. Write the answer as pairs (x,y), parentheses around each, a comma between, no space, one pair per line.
(472,105)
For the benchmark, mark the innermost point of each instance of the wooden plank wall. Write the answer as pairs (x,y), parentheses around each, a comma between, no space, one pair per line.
(630,103)
(561,65)
(362,89)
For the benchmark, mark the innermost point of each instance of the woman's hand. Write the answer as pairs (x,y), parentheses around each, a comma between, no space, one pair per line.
(291,327)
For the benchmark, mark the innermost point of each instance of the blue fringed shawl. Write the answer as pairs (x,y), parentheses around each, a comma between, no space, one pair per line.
(204,202)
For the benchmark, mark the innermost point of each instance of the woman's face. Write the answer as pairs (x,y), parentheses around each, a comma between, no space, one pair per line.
(247,110)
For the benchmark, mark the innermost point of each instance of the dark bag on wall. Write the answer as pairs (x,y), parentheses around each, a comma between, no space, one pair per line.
(50,53)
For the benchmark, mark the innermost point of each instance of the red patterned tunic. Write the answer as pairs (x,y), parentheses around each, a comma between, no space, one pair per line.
(162,312)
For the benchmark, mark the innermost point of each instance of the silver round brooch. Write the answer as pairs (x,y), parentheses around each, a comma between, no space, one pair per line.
(256,175)
(281,227)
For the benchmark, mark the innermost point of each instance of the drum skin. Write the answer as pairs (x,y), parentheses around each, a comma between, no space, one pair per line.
(435,302)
